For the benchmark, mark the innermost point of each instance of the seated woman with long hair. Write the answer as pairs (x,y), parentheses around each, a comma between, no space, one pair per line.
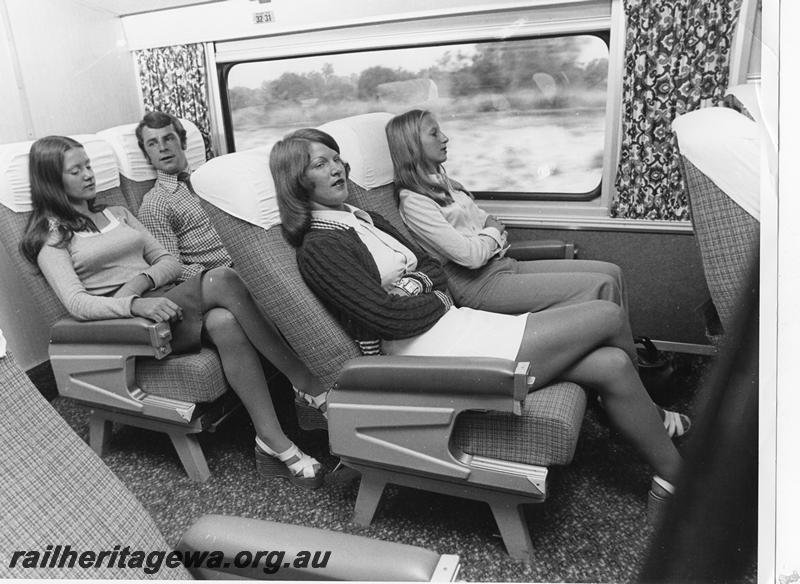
(102,263)
(392,298)
(447,223)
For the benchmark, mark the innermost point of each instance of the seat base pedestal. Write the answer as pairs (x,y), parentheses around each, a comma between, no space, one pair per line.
(183,436)
(507,507)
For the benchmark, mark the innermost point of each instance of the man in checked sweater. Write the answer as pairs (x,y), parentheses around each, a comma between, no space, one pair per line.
(171,210)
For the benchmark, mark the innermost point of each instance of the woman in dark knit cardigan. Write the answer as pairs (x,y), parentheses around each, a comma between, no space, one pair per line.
(392,298)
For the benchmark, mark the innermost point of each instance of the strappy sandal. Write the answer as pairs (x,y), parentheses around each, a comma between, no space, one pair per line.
(677,424)
(312,410)
(293,464)
(661,492)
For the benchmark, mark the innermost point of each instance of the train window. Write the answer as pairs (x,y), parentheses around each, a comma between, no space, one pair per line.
(526,118)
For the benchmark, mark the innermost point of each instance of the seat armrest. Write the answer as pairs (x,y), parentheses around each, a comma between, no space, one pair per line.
(541,249)
(399,413)
(292,552)
(427,375)
(115,331)
(95,362)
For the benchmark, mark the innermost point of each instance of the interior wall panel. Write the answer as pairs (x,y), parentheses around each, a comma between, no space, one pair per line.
(76,77)
(78,73)
(663,272)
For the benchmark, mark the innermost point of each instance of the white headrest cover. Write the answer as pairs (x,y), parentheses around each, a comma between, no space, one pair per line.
(240,184)
(104,162)
(131,160)
(724,145)
(15,188)
(362,140)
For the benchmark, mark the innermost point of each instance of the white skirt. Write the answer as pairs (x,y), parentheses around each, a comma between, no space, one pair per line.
(465,332)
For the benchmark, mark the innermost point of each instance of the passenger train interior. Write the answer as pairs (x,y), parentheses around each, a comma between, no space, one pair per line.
(578,135)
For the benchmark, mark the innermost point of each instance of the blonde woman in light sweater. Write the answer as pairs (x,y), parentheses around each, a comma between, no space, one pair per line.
(471,244)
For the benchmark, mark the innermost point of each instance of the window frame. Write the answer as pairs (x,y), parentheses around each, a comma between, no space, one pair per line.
(508,19)
(224,71)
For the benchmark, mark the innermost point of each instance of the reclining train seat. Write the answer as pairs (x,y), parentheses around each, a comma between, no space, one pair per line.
(57,495)
(119,368)
(466,427)
(721,156)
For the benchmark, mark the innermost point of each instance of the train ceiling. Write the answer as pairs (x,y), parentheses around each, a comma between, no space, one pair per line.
(126,7)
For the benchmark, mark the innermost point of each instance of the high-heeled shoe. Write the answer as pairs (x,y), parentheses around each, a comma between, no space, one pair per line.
(312,410)
(293,464)
(661,492)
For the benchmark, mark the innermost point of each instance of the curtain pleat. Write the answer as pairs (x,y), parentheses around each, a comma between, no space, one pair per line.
(173,80)
(676,59)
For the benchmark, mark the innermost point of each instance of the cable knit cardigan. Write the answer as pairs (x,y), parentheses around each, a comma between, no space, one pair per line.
(340,270)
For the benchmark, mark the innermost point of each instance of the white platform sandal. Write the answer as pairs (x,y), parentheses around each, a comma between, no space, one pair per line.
(676,424)
(293,464)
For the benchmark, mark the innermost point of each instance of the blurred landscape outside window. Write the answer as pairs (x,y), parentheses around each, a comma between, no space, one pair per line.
(522,116)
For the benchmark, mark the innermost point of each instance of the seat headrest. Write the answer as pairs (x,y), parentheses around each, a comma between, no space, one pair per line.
(724,145)
(15,188)
(362,140)
(131,160)
(240,184)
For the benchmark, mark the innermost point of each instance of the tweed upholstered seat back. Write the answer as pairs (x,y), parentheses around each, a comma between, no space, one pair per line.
(55,491)
(728,239)
(267,264)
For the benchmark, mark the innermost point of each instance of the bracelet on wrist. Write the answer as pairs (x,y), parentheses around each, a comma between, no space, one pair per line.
(408,285)
(150,279)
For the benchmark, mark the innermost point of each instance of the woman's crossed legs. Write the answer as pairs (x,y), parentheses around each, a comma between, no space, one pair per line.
(590,344)
(240,332)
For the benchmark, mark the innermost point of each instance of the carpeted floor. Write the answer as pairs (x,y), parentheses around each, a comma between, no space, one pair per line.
(591,529)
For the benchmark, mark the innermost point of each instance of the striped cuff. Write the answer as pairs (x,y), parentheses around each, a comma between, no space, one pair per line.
(445,298)
(370,347)
(422,278)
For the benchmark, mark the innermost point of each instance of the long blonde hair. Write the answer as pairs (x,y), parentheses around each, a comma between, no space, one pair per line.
(405,146)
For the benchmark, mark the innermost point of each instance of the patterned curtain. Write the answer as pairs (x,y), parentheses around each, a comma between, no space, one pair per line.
(676,56)
(173,80)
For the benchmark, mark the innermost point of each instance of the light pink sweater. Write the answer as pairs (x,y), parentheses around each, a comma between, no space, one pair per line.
(86,273)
